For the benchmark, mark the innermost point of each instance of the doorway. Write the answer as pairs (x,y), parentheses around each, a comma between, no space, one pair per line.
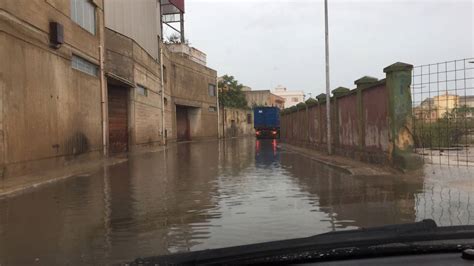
(118,118)
(182,123)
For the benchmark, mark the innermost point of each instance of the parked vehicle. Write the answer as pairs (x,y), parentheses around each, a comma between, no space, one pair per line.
(267,122)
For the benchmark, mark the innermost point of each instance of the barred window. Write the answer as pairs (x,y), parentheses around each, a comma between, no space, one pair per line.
(83,65)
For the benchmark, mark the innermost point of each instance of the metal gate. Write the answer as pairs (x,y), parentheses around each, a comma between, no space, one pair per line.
(443,112)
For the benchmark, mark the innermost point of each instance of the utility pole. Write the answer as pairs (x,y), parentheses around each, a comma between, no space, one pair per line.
(328,96)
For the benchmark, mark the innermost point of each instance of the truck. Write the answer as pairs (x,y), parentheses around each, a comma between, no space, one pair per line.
(266,122)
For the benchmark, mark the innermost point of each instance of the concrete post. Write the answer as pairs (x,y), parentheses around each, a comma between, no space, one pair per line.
(398,81)
(362,83)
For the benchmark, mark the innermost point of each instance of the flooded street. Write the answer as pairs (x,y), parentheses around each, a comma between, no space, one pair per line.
(212,194)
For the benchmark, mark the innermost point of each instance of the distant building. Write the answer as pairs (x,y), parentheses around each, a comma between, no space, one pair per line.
(431,109)
(466,101)
(264,98)
(291,98)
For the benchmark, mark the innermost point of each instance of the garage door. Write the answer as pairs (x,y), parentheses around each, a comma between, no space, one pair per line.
(118,119)
(182,123)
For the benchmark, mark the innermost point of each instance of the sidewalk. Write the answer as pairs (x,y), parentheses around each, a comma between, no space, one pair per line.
(350,166)
(17,185)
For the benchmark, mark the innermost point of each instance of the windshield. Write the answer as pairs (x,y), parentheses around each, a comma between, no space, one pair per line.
(143,129)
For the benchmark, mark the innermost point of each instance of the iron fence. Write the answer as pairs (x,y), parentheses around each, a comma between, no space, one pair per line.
(443,112)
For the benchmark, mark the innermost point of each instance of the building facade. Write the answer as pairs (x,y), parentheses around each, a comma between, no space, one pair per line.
(133,74)
(236,122)
(263,98)
(190,96)
(434,108)
(50,83)
(291,98)
(80,79)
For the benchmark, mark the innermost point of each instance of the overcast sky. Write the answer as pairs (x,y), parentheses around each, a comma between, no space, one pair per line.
(266,43)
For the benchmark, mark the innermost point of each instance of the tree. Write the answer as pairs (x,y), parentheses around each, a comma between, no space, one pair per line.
(231,94)
(175,39)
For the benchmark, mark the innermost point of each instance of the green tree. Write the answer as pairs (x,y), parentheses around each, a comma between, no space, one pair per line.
(231,94)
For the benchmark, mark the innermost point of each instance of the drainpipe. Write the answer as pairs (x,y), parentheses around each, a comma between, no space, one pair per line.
(103,100)
(103,88)
(163,139)
(218,108)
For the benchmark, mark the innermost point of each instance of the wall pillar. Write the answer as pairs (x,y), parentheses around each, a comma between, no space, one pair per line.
(337,92)
(322,119)
(362,83)
(398,81)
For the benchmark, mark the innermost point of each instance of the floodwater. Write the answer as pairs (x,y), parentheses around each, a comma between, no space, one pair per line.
(207,195)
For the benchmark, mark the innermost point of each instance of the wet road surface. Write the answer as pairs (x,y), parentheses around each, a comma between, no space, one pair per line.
(207,195)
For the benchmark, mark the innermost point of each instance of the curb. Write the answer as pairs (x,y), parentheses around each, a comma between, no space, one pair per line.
(362,170)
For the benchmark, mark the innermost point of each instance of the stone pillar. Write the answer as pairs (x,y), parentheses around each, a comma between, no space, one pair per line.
(362,83)
(398,81)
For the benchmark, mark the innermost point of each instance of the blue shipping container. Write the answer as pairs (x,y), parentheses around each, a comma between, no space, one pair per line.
(266,117)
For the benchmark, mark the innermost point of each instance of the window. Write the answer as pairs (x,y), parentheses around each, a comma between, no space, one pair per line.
(249,119)
(165,74)
(212,90)
(83,65)
(141,90)
(294,99)
(83,13)
(212,109)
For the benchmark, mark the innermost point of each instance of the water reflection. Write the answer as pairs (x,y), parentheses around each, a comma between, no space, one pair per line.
(356,201)
(211,194)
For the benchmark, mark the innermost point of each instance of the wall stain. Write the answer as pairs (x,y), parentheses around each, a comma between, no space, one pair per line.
(77,144)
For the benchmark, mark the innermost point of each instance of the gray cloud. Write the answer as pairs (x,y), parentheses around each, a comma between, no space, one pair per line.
(266,43)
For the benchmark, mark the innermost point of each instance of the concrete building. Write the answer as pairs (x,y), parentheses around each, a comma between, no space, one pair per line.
(431,109)
(141,113)
(236,122)
(291,98)
(80,79)
(191,86)
(445,103)
(50,84)
(133,74)
(264,98)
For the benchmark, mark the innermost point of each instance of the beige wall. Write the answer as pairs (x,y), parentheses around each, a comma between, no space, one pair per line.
(138,20)
(51,112)
(445,103)
(187,83)
(131,63)
(289,96)
(240,127)
(263,98)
